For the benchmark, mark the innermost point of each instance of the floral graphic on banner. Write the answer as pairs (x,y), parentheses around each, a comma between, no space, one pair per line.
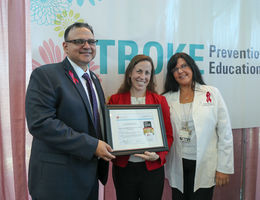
(45,11)
(93,2)
(50,53)
(80,2)
(64,20)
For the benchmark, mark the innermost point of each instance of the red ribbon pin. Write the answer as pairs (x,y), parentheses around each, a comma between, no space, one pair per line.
(208,97)
(73,78)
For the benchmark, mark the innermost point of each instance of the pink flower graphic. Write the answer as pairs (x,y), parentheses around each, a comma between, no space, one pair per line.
(49,54)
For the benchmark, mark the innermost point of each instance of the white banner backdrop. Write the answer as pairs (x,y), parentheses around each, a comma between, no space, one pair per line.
(222,36)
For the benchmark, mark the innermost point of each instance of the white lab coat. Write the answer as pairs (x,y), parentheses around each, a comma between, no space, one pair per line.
(214,138)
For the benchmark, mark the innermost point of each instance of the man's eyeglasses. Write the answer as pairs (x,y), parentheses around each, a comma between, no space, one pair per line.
(175,69)
(83,42)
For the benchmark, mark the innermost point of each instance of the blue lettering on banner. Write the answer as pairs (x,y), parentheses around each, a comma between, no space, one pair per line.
(159,49)
(103,54)
(123,56)
(170,50)
(193,48)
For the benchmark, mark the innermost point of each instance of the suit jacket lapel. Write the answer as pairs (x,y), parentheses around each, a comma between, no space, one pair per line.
(77,84)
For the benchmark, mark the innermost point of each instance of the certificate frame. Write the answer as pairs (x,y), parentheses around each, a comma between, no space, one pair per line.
(135,129)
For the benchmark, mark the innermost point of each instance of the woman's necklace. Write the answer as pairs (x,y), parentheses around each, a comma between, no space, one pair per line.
(186,96)
(186,99)
(186,116)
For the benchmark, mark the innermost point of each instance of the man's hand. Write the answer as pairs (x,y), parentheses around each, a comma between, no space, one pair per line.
(103,150)
(149,156)
(221,178)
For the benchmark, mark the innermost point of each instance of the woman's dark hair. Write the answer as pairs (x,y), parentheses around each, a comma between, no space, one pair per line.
(77,25)
(171,84)
(127,84)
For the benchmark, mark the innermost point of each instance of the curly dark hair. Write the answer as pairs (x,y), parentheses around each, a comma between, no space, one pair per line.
(171,84)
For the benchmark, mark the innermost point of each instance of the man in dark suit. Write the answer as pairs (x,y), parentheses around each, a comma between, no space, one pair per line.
(68,155)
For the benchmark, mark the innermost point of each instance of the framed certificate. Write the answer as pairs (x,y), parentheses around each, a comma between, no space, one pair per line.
(135,128)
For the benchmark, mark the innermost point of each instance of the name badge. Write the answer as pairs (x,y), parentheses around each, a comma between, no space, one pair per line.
(185,135)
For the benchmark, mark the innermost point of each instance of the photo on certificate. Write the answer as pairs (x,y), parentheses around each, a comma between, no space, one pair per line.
(135,129)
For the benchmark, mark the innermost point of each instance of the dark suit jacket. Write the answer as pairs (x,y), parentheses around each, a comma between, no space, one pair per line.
(62,163)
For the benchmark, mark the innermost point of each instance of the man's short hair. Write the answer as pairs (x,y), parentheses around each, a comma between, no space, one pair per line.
(77,25)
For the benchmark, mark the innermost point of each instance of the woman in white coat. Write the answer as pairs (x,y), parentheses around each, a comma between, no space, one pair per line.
(202,153)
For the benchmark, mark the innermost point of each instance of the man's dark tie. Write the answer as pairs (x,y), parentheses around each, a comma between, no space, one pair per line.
(93,100)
